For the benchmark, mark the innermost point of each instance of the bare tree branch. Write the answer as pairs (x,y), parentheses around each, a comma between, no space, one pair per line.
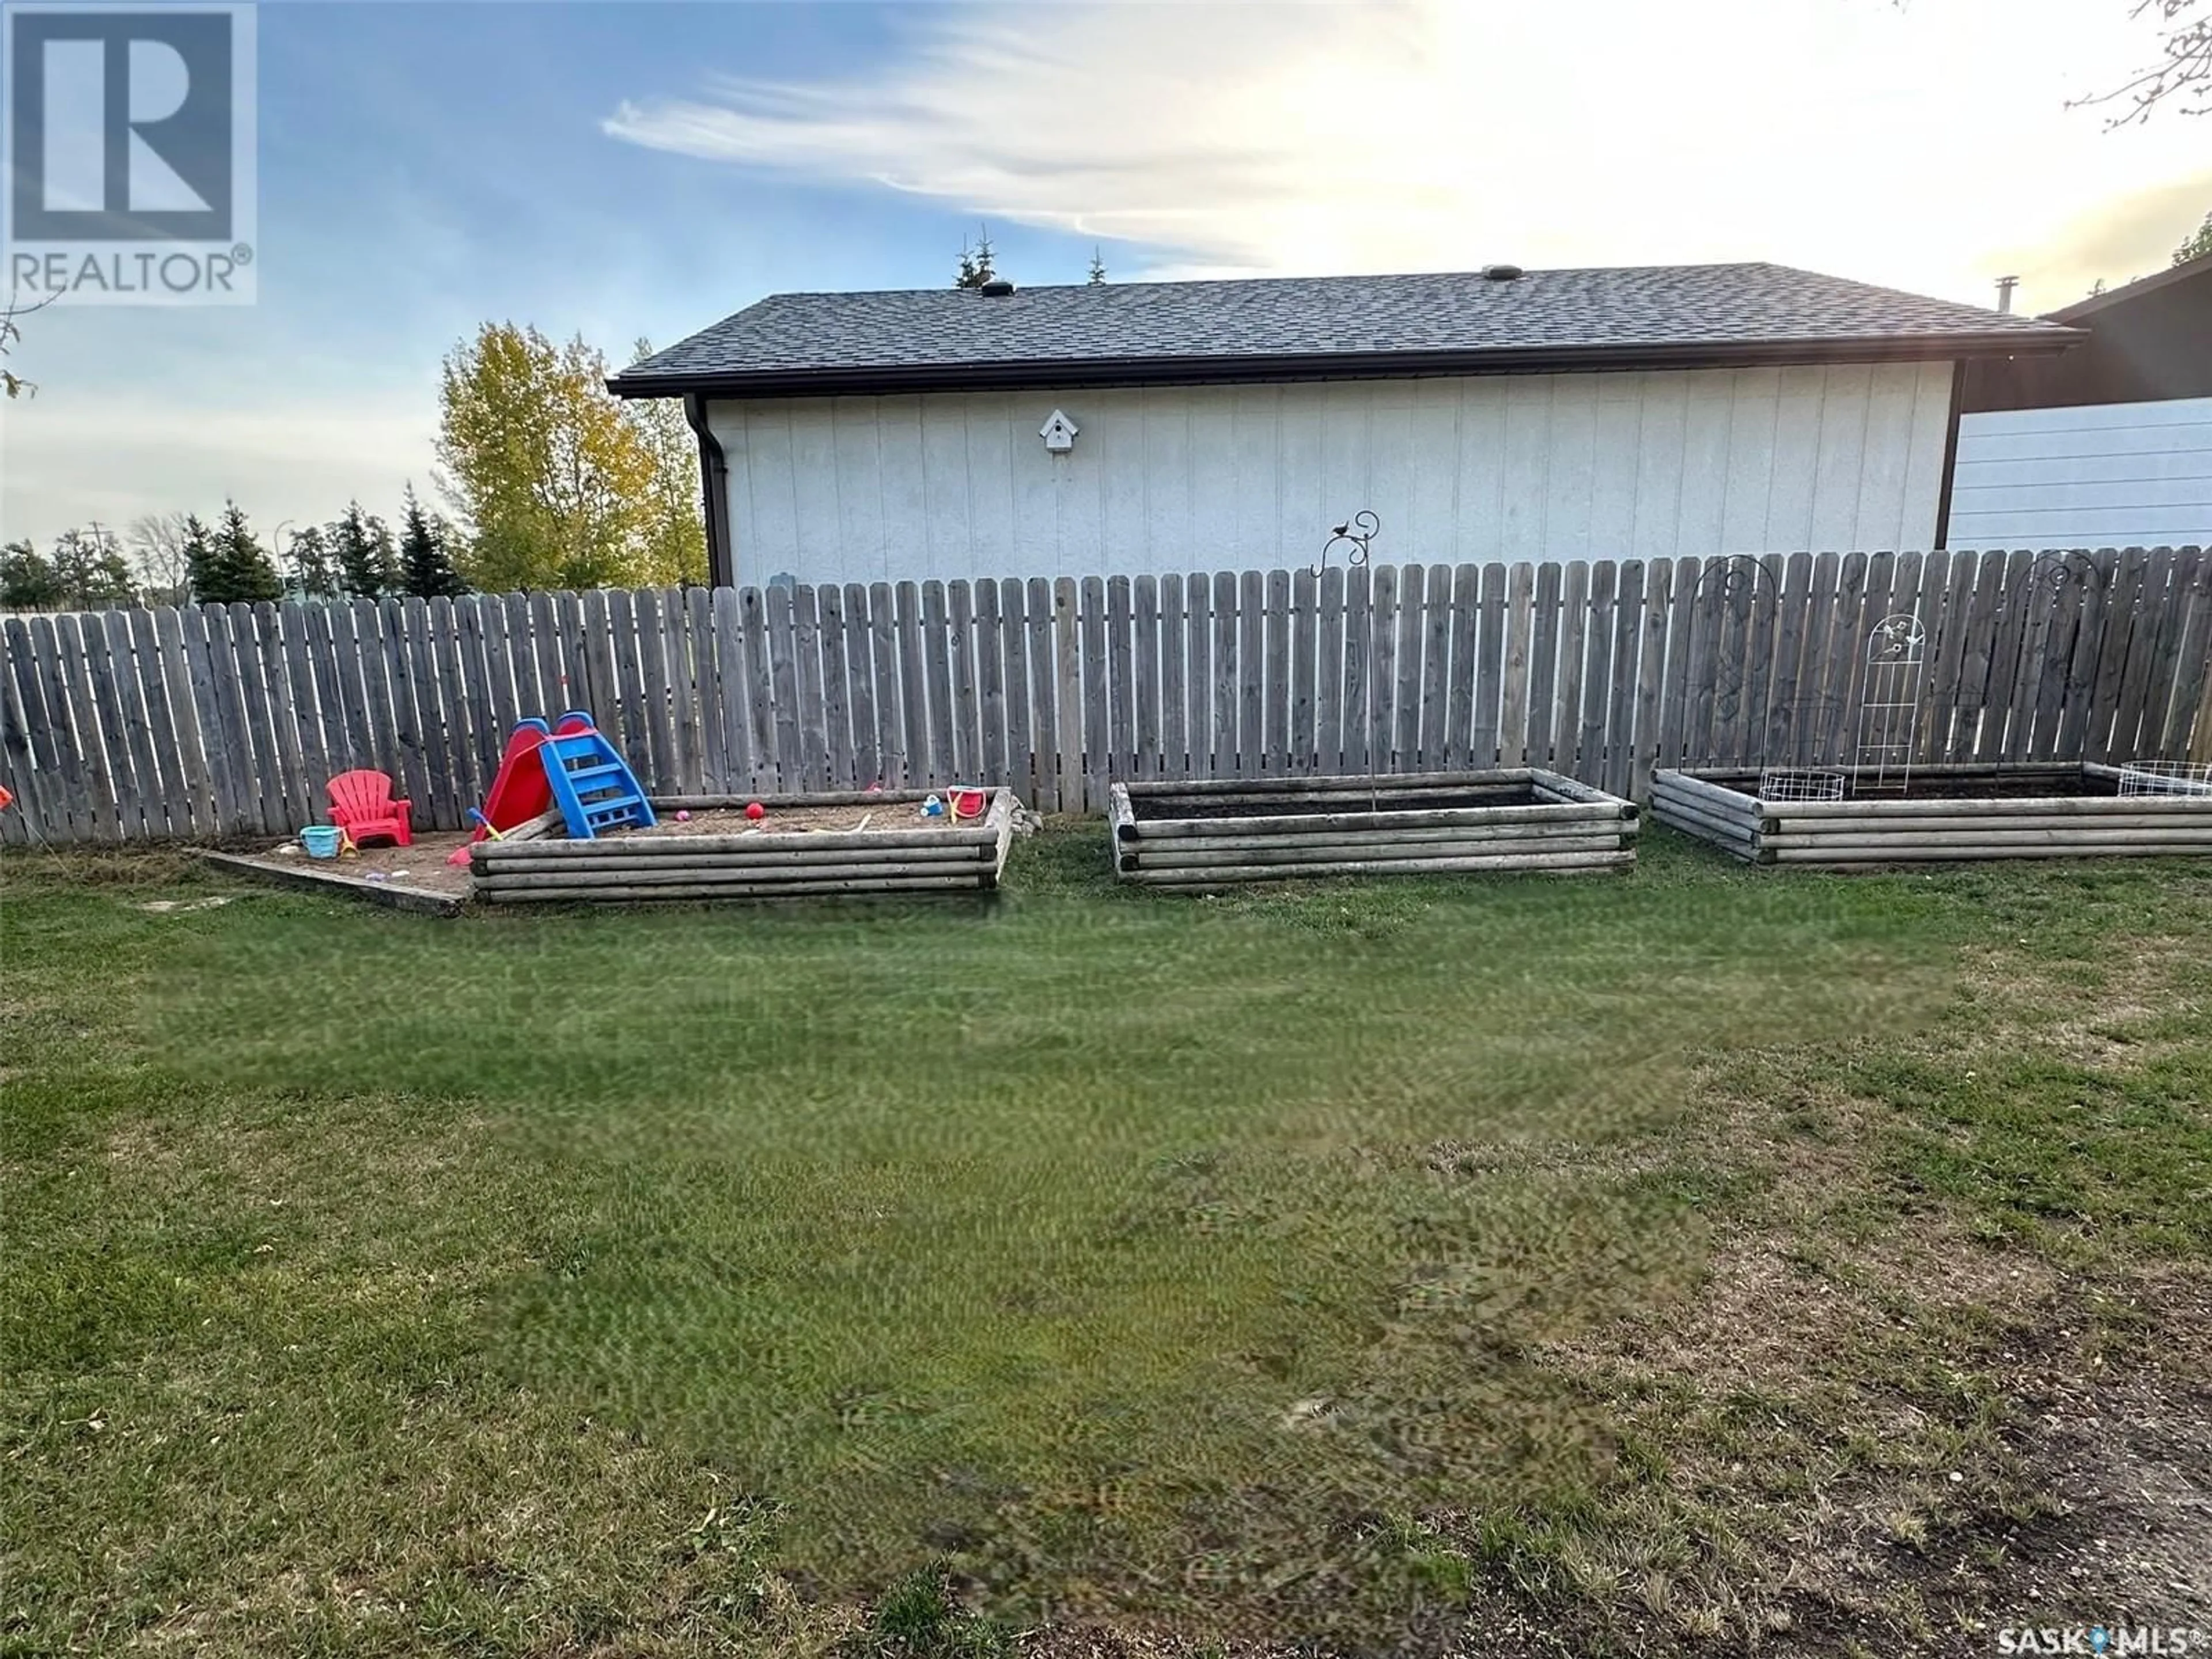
(2181,77)
(13,383)
(159,546)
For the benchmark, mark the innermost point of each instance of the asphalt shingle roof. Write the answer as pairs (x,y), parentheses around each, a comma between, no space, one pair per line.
(944,337)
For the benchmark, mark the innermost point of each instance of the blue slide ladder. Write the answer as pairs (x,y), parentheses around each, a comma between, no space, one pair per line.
(593,785)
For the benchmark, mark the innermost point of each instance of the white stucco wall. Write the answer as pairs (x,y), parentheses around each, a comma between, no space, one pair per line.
(1556,466)
(2100,475)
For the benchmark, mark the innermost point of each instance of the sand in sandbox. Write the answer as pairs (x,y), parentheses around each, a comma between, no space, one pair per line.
(798,820)
(421,865)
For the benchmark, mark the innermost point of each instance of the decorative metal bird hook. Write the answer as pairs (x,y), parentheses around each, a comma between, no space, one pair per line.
(1355,533)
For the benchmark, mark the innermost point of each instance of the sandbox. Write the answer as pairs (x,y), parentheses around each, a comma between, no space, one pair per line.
(1937,813)
(858,843)
(1193,834)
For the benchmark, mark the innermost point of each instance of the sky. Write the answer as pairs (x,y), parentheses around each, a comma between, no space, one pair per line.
(640,170)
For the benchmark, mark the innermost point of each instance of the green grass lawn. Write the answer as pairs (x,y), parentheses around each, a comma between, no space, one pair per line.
(1341,1263)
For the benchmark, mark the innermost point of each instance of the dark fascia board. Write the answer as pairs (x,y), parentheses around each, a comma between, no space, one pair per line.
(1338,365)
(2081,310)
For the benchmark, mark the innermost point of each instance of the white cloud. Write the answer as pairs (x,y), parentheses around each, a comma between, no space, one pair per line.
(67,460)
(1928,144)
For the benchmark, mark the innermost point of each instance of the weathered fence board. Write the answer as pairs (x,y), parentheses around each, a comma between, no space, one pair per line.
(1328,672)
(782,657)
(2193,671)
(99,658)
(1121,691)
(22,714)
(1044,696)
(1017,688)
(1279,672)
(1352,738)
(1485,668)
(836,692)
(235,750)
(991,680)
(225,721)
(1066,661)
(1381,669)
(1305,630)
(936,688)
(814,720)
(966,759)
(1566,691)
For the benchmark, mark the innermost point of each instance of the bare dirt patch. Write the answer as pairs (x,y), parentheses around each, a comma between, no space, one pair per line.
(1885,1416)
(1927,1436)
(2125,1441)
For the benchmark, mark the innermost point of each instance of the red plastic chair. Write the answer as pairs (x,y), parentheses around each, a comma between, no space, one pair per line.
(362,806)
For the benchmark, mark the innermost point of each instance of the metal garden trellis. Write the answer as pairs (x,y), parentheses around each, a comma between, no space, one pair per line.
(1889,702)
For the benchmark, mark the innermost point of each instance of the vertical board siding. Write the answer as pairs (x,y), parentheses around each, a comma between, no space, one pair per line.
(223,721)
(1458,468)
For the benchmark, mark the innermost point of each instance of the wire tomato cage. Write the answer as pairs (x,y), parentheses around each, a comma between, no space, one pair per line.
(2144,778)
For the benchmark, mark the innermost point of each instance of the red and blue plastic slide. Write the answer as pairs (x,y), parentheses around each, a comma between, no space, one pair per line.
(521,791)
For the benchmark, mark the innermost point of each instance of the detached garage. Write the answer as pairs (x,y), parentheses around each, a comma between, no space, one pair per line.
(1127,429)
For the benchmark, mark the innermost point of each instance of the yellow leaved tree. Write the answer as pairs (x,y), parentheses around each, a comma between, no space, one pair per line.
(561,484)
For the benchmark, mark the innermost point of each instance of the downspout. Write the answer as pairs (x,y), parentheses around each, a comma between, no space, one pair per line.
(1950,456)
(714,494)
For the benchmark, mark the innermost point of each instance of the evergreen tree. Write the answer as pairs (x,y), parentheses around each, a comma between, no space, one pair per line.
(200,561)
(975,266)
(28,583)
(239,568)
(362,542)
(315,571)
(426,559)
(1098,268)
(90,568)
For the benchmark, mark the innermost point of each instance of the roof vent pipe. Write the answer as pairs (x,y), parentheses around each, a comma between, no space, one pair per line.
(1500,273)
(997,289)
(2005,286)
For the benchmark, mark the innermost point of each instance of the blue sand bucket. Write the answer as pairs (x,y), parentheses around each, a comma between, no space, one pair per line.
(322,841)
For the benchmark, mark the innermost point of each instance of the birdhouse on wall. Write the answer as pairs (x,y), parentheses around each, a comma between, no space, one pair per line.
(1057,433)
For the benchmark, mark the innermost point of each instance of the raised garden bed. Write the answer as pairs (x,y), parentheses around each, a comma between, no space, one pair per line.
(809,845)
(1943,813)
(1219,831)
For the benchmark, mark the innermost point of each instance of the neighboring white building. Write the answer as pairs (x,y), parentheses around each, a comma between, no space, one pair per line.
(1173,427)
(2094,475)
(2110,446)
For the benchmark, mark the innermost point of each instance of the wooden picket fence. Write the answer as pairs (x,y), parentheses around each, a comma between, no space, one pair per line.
(210,723)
